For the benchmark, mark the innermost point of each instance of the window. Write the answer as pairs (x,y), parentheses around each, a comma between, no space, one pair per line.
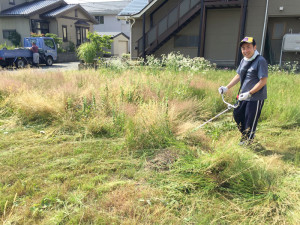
(185,41)
(84,34)
(65,33)
(278,30)
(81,35)
(78,35)
(76,13)
(49,43)
(39,26)
(100,19)
(12,2)
(6,33)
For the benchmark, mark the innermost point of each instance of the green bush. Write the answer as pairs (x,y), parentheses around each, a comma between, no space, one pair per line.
(176,61)
(57,40)
(87,52)
(7,46)
(97,45)
(71,47)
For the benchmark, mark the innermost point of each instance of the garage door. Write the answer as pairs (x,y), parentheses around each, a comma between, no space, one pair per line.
(122,48)
(221,36)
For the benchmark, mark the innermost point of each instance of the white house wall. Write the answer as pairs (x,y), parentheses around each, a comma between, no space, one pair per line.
(111,24)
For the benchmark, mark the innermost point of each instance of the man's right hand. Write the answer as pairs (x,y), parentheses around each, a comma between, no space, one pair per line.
(223,90)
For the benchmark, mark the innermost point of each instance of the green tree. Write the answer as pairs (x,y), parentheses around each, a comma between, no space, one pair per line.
(97,44)
(101,42)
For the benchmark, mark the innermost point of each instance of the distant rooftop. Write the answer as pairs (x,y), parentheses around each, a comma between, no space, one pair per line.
(134,7)
(29,8)
(105,8)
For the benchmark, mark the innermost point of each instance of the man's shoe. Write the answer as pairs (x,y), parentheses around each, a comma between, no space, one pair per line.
(245,142)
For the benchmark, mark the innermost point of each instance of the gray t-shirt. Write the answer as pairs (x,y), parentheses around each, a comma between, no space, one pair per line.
(257,70)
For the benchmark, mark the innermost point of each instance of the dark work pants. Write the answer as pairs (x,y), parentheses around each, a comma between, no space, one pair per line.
(246,116)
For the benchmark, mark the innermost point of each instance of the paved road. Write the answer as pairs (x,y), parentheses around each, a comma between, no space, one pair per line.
(55,66)
(61,66)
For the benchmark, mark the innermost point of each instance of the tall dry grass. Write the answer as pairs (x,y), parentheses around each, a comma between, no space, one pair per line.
(99,102)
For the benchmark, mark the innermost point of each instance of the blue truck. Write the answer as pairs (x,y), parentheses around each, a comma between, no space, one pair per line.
(20,57)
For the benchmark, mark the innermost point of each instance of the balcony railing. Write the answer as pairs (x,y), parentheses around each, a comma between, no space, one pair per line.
(167,22)
(176,17)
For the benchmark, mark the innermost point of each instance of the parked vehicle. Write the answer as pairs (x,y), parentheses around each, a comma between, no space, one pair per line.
(20,57)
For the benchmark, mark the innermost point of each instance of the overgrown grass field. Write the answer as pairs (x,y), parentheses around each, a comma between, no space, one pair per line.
(113,146)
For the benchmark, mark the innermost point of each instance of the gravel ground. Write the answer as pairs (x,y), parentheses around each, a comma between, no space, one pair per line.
(55,66)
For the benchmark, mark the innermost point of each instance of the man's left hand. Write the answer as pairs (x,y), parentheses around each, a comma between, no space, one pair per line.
(244,96)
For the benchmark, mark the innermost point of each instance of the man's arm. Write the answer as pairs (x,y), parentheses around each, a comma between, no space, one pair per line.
(259,85)
(234,81)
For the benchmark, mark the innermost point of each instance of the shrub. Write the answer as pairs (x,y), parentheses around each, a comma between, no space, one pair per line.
(71,47)
(4,45)
(87,52)
(176,61)
(154,62)
(100,42)
(57,40)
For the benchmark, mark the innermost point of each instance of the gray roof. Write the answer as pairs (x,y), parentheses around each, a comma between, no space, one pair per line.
(134,7)
(59,10)
(105,8)
(29,7)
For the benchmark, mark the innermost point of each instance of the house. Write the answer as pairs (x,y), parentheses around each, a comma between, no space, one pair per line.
(119,45)
(70,22)
(106,15)
(211,28)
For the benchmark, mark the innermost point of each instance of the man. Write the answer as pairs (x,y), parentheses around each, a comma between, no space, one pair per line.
(36,55)
(253,74)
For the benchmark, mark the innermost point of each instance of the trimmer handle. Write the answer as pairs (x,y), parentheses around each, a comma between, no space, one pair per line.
(230,105)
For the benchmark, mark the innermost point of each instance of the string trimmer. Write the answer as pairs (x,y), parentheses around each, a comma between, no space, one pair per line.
(229,107)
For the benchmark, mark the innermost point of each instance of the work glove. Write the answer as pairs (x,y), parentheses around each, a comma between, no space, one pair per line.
(244,96)
(222,90)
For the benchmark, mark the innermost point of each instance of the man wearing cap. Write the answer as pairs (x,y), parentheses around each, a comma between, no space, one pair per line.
(36,56)
(253,74)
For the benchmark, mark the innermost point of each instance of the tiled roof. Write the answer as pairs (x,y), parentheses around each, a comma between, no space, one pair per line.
(28,8)
(105,8)
(58,10)
(134,7)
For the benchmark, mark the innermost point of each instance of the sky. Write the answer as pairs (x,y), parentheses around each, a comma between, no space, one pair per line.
(86,1)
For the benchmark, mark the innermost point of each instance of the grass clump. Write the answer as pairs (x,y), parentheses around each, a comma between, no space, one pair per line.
(149,128)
